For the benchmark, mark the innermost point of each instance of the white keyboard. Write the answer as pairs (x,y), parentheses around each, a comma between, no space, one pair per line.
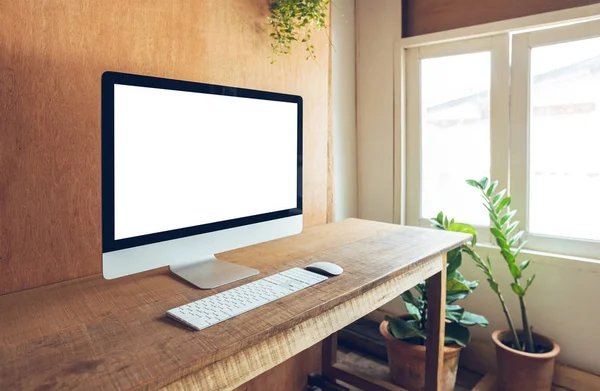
(214,309)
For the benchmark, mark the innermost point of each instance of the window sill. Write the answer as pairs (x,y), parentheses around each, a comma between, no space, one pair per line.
(557,260)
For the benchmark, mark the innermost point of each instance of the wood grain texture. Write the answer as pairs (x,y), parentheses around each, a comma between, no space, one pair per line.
(113,334)
(429,16)
(290,375)
(52,55)
(436,329)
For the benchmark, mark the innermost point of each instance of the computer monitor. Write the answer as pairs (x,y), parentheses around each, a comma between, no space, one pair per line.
(190,170)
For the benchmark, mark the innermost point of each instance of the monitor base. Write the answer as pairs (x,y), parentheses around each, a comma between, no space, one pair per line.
(211,273)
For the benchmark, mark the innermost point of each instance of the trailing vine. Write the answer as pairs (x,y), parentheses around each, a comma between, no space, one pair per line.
(295,21)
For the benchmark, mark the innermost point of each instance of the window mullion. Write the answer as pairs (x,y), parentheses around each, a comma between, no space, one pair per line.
(519,127)
(499,111)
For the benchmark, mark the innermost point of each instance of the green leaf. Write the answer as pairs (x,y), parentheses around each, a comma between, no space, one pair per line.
(421,287)
(436,224)
(492,188)
(511,228)
(508,216)
(497,233)
(410,298)
(462,227)
(454,260)
(529,282)
(517,289)
(493,285)
(403,329)
(452,297)
(483,182)
(496,199)
(508,256)
(440,218)
(524,264)
(456,286)
(515,238)
(471,319)
(454,312)
(455,333)
(514,270)
(471,284)
(518,250)
(446,222)
(413,310)
(474,183)
(503,204)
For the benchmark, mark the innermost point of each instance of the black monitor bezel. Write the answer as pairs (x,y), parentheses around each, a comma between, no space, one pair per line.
(109,79)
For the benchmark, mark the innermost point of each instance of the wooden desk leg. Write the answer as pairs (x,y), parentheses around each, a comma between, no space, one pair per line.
(436,317)
(329,354)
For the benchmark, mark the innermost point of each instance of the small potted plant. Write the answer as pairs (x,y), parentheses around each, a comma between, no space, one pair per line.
(525,359)
(405,336)
(295,21)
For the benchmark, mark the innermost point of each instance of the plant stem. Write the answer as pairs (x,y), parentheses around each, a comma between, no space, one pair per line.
(529,346)
(511,325)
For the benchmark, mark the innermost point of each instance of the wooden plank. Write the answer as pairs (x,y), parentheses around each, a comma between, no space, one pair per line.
(436,316)
(361,380)
(575,379)
(428,16)
(113,334)
(51,61)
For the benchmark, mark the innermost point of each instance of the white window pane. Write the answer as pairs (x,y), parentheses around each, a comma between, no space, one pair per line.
(564,177)
(455,142)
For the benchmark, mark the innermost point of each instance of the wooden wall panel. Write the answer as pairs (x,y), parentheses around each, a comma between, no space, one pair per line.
(52,55)
(429,16)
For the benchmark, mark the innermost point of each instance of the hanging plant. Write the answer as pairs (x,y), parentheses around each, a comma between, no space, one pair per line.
(295,21)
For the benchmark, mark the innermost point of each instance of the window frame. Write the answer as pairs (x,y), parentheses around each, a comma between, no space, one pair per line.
(509,116)
(498,47)
(522,45)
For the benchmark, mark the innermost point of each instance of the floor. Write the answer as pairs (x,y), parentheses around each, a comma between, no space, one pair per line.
(377,368)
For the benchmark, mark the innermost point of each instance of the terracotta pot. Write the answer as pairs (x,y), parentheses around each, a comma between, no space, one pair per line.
(524,371)
(407,362)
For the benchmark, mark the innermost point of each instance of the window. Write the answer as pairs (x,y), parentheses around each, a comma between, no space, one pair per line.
(523,108)
(455,114)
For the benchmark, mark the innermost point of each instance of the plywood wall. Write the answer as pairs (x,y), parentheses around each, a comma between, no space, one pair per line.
(429,16)
(52,54)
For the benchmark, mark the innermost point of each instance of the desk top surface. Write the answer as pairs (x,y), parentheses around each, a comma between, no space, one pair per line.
(93,333)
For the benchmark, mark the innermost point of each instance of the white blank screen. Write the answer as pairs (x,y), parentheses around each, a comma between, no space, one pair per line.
(184,159)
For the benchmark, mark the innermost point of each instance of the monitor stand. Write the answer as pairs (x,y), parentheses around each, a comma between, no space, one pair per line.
(210,273)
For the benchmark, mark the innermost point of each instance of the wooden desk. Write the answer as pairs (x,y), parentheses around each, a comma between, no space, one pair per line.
(97,334)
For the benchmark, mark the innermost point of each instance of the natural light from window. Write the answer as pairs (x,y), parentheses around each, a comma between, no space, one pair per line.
(564,176)
(455,126)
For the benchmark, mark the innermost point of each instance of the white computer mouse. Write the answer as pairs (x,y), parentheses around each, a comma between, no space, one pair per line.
(325,268)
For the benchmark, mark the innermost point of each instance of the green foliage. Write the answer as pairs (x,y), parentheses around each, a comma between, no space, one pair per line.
(507,235)
(294,21)
(457,288)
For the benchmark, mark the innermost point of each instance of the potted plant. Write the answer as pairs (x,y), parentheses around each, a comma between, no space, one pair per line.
(294,21)
(525,359)
(405,336)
